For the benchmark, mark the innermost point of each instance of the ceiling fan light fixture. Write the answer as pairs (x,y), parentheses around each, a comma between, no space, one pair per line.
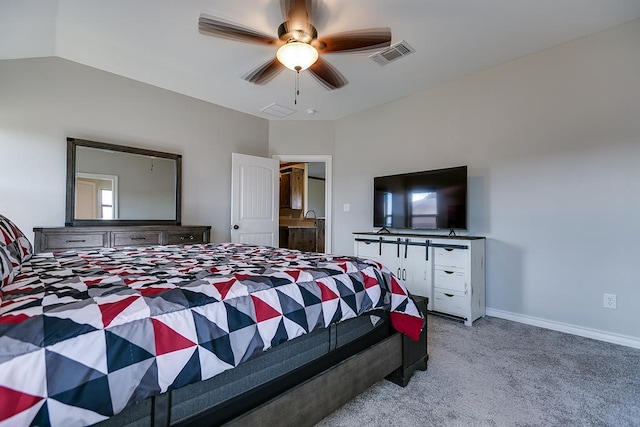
(297,56)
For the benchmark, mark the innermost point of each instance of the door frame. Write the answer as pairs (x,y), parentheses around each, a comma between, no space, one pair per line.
(317,158)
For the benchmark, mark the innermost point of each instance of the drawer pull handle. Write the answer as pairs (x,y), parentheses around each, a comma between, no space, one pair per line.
(138,238)
(76,241)
(448,295)
(187,237)
(448,272)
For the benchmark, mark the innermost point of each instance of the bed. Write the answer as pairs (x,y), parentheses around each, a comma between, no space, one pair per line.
(205,334)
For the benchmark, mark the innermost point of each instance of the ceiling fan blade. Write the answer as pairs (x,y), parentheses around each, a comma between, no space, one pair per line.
(220,28)
(298,12)
(355,41)
(265,72)
(327,75)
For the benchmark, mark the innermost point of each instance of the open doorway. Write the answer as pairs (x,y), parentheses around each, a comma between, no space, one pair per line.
(305,220)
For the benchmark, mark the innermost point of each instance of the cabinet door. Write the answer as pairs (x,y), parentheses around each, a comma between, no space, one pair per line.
(391,257)
(292,189)
(411,267)
(369,250)
(297,188)
(303,239)
(416,270)
(285,190)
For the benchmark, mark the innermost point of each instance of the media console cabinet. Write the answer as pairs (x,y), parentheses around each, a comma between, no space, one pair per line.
(448,270)
(49,239)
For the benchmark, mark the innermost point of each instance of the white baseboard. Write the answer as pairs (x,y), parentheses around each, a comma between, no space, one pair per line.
(567,328)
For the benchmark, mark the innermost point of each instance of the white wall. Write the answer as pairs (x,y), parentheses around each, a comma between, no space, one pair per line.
(45,100)
(301,137)
(316,196)
(552,142)
(28,28)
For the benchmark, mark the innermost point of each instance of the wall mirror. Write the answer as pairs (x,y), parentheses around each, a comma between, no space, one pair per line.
(110,184)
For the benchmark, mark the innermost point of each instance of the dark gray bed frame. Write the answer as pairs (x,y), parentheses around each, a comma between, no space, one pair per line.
(329,382)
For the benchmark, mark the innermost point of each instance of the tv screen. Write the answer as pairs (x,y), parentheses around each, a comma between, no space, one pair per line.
(429,200)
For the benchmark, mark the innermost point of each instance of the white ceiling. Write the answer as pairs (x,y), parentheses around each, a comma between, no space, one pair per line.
(157,42)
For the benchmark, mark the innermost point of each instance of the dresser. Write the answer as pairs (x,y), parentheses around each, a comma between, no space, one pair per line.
(448,270)
(48,239)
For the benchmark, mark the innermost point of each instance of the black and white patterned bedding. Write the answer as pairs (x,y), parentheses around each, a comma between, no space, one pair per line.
(84,334)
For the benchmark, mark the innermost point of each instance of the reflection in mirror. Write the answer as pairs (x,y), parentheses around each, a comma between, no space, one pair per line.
(96,196)
(111,184)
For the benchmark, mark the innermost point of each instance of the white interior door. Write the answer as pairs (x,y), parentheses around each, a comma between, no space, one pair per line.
(254,200)
(86,200)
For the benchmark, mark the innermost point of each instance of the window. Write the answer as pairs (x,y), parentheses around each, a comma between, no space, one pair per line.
(423,209)
(388,209)
(106,204)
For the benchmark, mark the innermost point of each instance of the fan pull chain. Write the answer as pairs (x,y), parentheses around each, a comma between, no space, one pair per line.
(297,87)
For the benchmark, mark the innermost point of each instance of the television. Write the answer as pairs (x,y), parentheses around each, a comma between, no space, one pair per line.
(428,200)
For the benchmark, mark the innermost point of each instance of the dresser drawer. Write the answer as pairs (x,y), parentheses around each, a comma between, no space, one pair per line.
(65,241)
(185,236)
(136,238)
(449,279)
(450,303)
(445,257)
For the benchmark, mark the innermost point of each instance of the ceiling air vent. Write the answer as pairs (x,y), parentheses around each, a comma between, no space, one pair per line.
(392,53)
(277,110)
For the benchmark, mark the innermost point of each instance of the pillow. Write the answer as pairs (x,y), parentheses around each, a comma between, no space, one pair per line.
(10,235)
(9,268)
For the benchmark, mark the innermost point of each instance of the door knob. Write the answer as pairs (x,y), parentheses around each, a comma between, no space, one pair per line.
(235,227)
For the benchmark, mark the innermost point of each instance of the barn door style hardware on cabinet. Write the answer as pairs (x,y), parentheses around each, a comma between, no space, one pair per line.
(407,258)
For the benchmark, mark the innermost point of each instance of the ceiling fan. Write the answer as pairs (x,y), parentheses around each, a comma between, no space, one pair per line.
(298,43)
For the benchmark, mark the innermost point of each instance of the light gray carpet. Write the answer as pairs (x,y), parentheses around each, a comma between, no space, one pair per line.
(502,373)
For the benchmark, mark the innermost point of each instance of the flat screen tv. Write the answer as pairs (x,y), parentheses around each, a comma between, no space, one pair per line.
(428,200)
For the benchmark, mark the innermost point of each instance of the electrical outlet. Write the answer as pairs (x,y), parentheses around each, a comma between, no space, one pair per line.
(609,301)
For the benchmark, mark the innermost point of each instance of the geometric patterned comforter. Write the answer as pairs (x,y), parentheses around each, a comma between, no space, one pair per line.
(84,334)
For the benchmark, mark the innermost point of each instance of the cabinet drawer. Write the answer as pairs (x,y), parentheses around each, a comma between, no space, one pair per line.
(457,258)
(450,303)
(75,241)
(132,238)
(185,236)
(449,279)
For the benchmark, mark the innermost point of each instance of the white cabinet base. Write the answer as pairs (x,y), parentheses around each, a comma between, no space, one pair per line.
(448,270)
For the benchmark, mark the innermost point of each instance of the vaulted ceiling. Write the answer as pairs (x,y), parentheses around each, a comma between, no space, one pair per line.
(158,42)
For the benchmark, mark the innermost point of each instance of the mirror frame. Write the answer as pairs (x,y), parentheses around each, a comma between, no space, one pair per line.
(70,220)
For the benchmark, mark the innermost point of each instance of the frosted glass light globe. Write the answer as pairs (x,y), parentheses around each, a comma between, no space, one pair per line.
(297,56)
